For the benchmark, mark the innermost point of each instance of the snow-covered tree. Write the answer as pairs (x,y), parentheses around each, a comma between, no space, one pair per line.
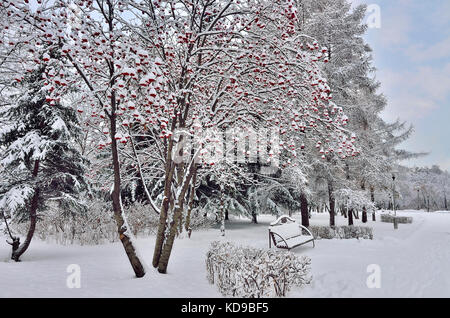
(228,64)
(38,161)
(98,58)
(424,188)
(350,75)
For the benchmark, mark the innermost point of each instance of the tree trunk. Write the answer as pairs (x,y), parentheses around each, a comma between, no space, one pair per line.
(125,234)
(418,200)
(364,215)
(350,217)
(224,214)
(122,226)
(372,198)
(18,250)
(254,218)
(304,210)
(332,204)
(169,170)
(187,224)
(163,259)
(445,203)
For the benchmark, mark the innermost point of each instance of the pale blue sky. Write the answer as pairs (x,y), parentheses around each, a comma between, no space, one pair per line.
(412,55)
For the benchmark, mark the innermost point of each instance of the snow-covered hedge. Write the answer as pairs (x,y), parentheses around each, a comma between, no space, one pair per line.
(254,273)
(387,218)
(341,232)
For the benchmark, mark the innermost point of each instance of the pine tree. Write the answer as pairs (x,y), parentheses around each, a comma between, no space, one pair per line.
(39,162)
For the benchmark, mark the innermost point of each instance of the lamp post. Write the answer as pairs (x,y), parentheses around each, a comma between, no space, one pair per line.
(393,194)
(394,174)
(418,199)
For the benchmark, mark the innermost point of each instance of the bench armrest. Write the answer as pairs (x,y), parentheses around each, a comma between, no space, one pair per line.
(307,230)
(274,233)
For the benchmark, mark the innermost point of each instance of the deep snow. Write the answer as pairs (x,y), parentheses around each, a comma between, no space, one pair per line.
(414,262)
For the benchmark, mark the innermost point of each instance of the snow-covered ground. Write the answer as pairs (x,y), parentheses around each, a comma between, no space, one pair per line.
(414,262)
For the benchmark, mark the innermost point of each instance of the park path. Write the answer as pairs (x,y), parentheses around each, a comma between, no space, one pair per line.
(414,261)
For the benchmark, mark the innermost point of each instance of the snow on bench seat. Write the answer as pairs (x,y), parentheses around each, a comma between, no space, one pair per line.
(287,234)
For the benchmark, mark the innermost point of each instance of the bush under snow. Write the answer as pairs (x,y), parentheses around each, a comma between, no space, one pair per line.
(341,232)
(254,273)
(97,226)
(388,218)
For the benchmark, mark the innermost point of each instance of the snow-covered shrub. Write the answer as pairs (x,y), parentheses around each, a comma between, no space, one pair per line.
(322,232)
(387,218)
(97,226)
(142,219)
(359,232)
(341,232)
(200,221)
(356,200)
(94,227)
(254,273)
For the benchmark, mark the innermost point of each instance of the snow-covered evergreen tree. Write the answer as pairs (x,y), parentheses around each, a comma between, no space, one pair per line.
(38,160)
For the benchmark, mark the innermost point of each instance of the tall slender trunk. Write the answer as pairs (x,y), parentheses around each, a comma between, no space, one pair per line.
(418,200)
(123,229)
(445,203)
(122,225)
(364,215)
(187,224)
(304,210)
(332,204)
(223,213)
(372,198)
(350,217)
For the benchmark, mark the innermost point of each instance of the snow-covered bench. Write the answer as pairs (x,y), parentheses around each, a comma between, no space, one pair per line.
(285,233)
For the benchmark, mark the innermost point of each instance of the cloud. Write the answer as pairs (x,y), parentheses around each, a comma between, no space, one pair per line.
(423,53)
(412,55)
(413,94)
(440,17)
(395,27)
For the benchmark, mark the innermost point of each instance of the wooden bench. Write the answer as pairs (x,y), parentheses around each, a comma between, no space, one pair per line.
(286,233)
